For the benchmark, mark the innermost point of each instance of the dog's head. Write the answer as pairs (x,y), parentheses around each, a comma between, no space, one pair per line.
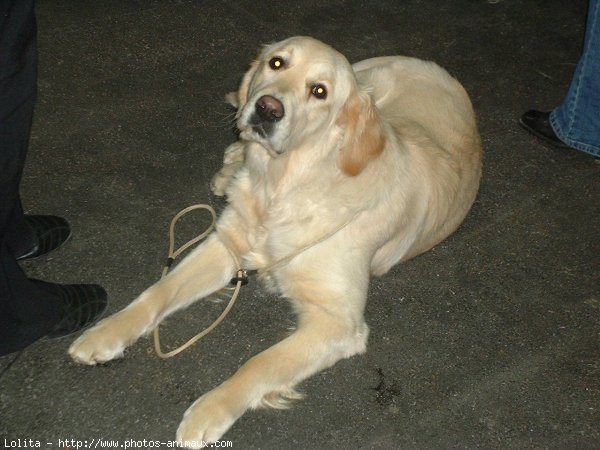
(301,90)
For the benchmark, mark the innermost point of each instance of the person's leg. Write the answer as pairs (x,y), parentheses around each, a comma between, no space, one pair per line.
(26,311)
(29,309)
(577,121)
(18,236)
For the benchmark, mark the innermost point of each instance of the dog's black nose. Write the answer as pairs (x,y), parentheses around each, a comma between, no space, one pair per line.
(269,109)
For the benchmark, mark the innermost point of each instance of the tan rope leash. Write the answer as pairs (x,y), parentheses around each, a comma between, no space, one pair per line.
(240,279)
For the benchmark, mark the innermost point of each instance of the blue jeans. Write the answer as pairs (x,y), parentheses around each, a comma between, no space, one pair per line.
(577,121)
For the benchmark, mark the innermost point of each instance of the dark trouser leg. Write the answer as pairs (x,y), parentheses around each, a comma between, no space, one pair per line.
(28,309)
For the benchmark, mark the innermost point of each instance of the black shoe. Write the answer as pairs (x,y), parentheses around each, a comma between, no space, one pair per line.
(538,123)
(49,233)
(83,305)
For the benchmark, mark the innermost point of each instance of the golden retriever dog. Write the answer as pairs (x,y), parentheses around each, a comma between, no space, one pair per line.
(340,172)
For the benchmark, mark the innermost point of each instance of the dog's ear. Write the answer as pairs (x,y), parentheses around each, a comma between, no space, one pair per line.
(242,94)
(363,137)
(232,99)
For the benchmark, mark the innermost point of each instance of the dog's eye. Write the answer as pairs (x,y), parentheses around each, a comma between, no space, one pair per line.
(276,63)
(319,91)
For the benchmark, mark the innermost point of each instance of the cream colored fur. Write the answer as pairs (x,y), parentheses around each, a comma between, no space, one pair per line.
(393,150)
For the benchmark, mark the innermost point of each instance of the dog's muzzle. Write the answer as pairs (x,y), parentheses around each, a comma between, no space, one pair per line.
(267,111)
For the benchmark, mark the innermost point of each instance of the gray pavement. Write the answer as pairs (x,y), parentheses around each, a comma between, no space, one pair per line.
(490,340)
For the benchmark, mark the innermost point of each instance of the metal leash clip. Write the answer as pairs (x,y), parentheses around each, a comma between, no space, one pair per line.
(242,277)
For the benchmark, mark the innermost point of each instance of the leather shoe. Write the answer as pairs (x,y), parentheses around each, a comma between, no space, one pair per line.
(538,123)
(49,233)
(83,304)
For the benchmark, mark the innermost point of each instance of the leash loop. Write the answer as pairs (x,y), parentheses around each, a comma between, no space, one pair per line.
(239,280)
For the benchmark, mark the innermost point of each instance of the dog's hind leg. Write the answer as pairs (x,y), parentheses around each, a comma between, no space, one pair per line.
(207,269)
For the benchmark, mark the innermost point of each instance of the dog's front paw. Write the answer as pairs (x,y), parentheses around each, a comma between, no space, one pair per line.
(98,345)
(208,419)
(219,183)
